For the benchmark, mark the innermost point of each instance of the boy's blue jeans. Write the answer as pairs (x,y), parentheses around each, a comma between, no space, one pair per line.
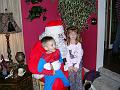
(116,43)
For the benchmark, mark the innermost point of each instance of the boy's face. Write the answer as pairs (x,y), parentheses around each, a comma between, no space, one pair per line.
(50,46)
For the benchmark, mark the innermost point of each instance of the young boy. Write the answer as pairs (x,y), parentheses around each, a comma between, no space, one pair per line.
(50,63)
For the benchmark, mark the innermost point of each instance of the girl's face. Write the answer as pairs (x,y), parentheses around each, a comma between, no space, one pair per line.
(72,35)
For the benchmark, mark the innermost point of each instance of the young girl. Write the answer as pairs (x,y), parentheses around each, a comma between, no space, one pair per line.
(74,58)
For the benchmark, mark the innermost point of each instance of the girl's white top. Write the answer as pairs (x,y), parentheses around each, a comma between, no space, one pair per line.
(74,55)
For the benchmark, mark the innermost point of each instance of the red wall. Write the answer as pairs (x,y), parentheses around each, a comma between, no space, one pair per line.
(89,43)
(32,29)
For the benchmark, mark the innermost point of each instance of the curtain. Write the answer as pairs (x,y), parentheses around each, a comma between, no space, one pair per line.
(16,39)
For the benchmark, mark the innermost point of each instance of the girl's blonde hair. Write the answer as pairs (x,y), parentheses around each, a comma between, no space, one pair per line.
(74,29)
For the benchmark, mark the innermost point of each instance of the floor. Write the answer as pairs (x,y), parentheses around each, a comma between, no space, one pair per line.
(111,62)
(108,80)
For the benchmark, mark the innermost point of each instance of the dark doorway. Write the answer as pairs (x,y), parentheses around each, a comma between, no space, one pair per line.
(110,62)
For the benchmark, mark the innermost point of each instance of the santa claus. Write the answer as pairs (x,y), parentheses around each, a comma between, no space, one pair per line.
(54,29)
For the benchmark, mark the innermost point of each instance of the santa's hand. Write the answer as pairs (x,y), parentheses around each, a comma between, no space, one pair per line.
(65,67)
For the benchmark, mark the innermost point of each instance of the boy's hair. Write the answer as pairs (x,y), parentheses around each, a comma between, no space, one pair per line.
(45,39)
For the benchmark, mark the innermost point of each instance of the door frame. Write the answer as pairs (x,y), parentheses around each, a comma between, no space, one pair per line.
(109,22)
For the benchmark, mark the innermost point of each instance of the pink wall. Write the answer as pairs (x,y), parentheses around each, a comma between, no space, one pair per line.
(90,44)
(32,30)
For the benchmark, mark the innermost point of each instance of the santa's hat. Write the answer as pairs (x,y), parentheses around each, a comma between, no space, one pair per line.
(54,27)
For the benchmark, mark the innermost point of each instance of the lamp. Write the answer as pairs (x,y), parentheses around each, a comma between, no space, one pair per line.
(8,26)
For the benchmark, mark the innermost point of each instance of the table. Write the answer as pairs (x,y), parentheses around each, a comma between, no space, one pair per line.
(18,83)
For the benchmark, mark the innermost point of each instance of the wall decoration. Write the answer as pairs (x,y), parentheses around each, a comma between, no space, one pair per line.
(36,12)
(76,12)
(27,1)
(44,18)
(33,1)
(52,1)
(93,21)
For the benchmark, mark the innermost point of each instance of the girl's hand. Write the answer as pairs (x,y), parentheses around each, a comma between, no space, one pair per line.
(70,68)
(75,69)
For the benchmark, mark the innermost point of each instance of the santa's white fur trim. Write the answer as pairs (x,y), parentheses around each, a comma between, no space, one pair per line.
(54,29)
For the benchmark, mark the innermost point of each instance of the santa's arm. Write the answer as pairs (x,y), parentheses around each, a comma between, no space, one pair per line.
(41,68)
(35,55)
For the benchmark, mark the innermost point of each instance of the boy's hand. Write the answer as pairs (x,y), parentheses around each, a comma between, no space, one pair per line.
(52,67)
